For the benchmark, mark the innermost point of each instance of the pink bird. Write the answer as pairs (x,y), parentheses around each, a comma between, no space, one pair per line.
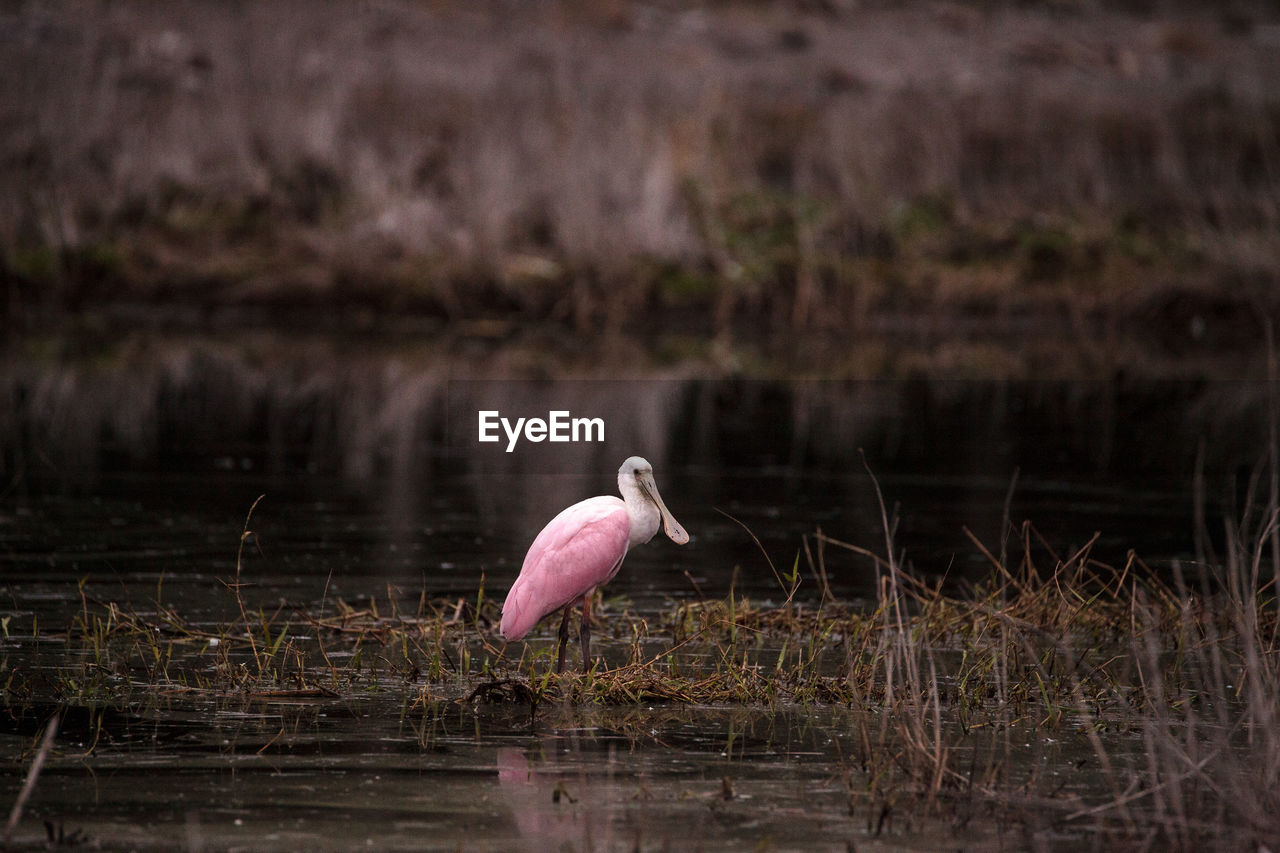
(582,548)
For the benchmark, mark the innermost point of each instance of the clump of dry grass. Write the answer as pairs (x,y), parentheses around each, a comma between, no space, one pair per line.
(1166,685)
(1171,689)
(1168,689)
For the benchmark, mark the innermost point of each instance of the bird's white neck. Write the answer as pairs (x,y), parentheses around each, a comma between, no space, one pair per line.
(644,515)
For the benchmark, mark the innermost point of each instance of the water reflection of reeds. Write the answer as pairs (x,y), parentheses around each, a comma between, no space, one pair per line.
(398,426)
(396,416)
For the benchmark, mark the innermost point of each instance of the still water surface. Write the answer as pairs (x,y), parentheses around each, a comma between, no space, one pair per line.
(133,482)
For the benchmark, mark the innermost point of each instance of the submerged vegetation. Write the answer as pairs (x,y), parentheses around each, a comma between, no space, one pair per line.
(1165,682)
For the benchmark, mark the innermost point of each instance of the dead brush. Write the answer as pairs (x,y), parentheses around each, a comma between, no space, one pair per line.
(1210,721)
(1166,686)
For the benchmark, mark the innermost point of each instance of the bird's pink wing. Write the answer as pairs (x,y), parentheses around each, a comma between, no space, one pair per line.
(577,551)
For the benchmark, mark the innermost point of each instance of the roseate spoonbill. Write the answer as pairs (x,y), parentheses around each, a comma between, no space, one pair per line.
(582,548)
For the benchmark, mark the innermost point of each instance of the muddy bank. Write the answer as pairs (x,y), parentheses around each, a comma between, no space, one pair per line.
(744,172)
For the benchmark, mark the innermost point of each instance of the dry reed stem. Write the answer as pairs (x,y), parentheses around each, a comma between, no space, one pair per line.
(33,773)
(1083,647)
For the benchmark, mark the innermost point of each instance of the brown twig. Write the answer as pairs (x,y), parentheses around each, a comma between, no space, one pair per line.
(33,773)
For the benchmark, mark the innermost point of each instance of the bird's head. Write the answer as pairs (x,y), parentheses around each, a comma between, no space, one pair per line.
(638,470)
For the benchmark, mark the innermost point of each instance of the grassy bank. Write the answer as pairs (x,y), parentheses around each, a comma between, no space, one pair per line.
(1163,684)
(931,169)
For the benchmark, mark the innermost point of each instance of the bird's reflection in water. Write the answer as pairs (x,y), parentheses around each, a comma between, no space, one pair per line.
(552,809)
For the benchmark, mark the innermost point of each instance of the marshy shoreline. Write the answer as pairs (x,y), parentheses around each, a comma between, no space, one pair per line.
(769,181)
(1060,700)
(1019,258)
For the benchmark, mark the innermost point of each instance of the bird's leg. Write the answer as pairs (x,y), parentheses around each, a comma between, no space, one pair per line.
(564,638)
(584,632)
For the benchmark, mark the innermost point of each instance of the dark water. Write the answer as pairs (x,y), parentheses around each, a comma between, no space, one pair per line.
(131,478)
(121,480)
(354,774)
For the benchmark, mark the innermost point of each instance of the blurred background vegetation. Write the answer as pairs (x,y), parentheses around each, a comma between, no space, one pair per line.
(1063,186)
